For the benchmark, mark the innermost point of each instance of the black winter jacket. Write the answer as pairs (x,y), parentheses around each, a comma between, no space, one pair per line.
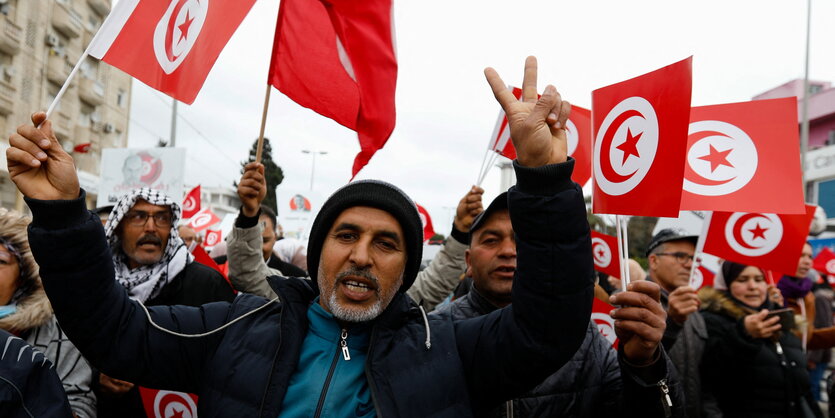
(416,367)
(29,385)
(590,384)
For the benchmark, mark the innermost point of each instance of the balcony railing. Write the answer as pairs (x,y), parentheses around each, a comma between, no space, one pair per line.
(11,36)
(91,91)
(66,21)
(7,100)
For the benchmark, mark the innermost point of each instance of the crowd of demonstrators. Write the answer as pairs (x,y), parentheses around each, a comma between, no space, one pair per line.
(751,366)
(26,313)
(797,291)
(155,266)
(818,359)
(363,347)
(189,236)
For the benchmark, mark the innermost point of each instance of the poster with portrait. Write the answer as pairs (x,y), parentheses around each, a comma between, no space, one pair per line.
(125,169)
(296,210)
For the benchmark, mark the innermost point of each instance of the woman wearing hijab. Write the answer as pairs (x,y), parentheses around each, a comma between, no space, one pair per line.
(751,367)
(25,312)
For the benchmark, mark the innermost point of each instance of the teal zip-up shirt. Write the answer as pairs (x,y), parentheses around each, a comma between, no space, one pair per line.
(324,380)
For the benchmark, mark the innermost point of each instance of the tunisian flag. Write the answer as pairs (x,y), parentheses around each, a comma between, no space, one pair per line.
(191,204)
(337,58)
(166,403)
(640,134)
(605,324)
(825,262)
(578,133)
(428,229)
(203,219)
(766,240)
(605,252)
(170,45)
(738,154)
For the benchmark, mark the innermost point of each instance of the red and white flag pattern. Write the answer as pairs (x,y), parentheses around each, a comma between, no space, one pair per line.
(825,262)
(213,237)
(337,58)
(702,277)
(738,154)
(640,134)
(191,203)
(605,324)
(203,219)
(578,133)
(604,249)
(428,229)
(170,45)
(167,404)
(766,240)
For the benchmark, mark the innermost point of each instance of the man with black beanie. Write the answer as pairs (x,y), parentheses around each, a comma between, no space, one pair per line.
(349,342)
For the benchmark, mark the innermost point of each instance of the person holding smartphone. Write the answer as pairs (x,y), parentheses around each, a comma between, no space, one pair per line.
(751,366)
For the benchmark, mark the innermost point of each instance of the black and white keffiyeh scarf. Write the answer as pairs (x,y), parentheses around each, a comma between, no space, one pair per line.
(146,282)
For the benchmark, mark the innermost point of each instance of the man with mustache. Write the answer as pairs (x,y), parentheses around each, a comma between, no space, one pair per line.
(348,342)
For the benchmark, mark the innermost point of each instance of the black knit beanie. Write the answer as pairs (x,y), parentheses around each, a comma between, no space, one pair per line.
(379,195)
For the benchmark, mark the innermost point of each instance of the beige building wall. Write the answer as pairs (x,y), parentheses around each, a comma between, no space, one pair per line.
(40,42)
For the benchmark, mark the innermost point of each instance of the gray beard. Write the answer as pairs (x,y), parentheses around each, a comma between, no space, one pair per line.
(343,313)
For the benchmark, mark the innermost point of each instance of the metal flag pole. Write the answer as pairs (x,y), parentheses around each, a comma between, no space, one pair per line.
(619,233)
(625,259)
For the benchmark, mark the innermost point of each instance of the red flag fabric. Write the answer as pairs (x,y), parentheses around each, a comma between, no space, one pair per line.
(191,204)
(766,240)
(337,58)
(739,154)
(640,133)
(82,148)
(578,133)
(605,324)
(166,403)
(703,277)
(825,262)
(604,249)
(213,237)
(428,229)
(170,45)
(203,219)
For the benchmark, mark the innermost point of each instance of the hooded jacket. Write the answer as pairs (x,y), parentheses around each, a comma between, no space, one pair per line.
(34,322)
(416,366)
(751,377)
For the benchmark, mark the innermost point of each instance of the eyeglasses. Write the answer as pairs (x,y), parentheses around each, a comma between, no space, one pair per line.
(681,257)
(140,218)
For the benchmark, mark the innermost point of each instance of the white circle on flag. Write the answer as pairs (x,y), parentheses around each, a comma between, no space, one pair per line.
(212,239)
(189,204)
(753,234)
(830,266)
(170,404)
(601,252)
(722,162)
(698,278)
(201,219)
(625,146)
(572,136)
(606,326)
(177,31)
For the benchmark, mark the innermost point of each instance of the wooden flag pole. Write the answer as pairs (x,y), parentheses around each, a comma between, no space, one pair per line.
(260,147)
(64,87)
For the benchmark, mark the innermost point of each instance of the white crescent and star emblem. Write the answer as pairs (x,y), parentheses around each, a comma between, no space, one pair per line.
(698,279)
(601,253)
(572,136)
(753,234)
(830,266)
(177,32)
(606,326)
(168,404)
(212,239)
(189,204)
(625,146)
(201,219)
(722,160)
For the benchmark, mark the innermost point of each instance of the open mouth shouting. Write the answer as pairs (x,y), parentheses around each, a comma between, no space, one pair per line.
(505,271)
(358,286)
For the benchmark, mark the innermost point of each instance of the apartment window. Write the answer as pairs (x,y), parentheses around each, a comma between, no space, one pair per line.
(7,7)
(815,89)
(6,68)
(826,197)
(121,98)
(830,140)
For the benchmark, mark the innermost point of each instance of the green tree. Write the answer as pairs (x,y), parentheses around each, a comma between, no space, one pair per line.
(272,172)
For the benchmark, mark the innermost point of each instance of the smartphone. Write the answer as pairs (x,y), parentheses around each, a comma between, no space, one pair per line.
(786,317)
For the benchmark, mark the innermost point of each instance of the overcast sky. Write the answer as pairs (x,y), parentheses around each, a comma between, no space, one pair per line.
(445,110)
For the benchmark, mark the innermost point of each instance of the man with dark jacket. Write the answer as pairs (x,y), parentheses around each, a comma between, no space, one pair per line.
(361,348)
(598,381)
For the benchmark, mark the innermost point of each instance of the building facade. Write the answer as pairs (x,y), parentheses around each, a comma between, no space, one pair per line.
(40,43)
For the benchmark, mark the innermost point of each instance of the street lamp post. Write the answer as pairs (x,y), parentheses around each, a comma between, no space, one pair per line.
(313,165)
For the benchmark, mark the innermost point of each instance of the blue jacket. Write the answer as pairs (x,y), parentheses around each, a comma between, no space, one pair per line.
(415,366)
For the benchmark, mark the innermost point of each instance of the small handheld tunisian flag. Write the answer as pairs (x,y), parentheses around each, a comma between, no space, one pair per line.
(166,403)
(191,204)
(640,133)
(203,219)
(170,45)
(428,229)
(766,240)
(337,58)
(605,324)
(825,262)
(213,237)
(578,133)
(738,154)
(703,277)
(604,249)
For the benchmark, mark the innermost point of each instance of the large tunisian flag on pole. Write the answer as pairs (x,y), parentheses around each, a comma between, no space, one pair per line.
(740,154)
(640,133)
(169,45)
(337,58)
(766,240)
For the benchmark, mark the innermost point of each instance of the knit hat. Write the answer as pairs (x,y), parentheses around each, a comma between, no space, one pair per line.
(379,195)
